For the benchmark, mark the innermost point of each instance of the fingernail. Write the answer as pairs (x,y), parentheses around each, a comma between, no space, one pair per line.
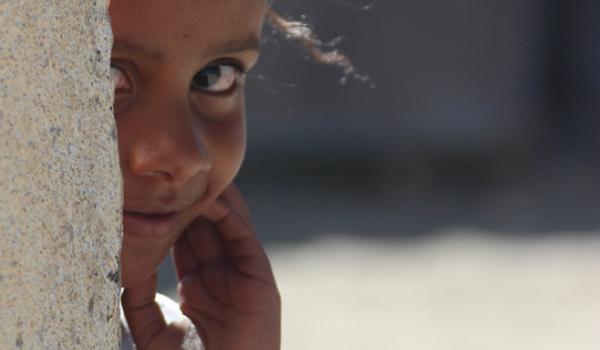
(218,211)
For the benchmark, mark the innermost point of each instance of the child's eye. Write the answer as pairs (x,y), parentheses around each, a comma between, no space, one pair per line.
(216,78)
(120,80)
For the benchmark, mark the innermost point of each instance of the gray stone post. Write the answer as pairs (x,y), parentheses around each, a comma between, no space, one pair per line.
(60,184)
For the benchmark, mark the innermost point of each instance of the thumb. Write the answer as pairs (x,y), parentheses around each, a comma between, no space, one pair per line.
(143,314)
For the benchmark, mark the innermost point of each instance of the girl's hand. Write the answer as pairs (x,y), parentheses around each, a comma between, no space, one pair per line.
(226,286)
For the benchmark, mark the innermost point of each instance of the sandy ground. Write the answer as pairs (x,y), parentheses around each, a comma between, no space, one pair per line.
(459,291)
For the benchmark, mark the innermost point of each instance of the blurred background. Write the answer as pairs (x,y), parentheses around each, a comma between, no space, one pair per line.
(450,201)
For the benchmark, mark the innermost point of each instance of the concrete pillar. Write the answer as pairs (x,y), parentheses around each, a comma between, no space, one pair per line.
(60,184)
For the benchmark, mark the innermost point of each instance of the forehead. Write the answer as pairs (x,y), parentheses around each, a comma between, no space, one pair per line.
(169,24)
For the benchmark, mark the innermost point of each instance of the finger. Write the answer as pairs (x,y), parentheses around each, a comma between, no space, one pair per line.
(217,211)
(143,314)
(209,289)
(245,248)
(237,234)
(241,243)
(234,197)
(205,241)
(199,245)
(217,291)
(184,258)
(204,304)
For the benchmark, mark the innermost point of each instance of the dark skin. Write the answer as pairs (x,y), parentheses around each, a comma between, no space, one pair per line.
(179,68)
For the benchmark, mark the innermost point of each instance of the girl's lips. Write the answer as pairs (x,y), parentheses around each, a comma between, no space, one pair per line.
(149,225)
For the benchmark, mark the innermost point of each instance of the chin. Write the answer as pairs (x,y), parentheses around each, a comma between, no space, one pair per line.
(138,265)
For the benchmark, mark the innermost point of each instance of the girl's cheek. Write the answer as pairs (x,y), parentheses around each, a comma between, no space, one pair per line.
(226,144)
(221,109)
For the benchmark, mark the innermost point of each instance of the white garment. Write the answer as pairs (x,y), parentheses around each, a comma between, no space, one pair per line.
(171,312)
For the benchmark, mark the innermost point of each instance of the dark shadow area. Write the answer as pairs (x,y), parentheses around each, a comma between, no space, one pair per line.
(483,114)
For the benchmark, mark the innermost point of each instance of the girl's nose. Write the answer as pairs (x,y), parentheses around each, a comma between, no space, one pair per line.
(167,146)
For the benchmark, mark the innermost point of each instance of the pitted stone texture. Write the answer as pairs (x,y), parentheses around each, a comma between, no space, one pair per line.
(60,184)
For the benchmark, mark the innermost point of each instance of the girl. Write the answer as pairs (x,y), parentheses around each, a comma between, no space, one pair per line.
(179,69)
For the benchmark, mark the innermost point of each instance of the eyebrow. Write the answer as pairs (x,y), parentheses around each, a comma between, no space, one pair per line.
(249,43)
(232,46)
(137,49)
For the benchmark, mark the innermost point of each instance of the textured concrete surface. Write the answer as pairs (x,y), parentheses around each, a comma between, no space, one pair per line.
(60,187)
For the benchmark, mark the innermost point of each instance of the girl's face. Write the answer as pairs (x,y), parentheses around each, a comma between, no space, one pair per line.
(179,106)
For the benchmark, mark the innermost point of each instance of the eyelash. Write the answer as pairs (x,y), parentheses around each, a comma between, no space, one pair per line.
(226,70)
(123,83)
